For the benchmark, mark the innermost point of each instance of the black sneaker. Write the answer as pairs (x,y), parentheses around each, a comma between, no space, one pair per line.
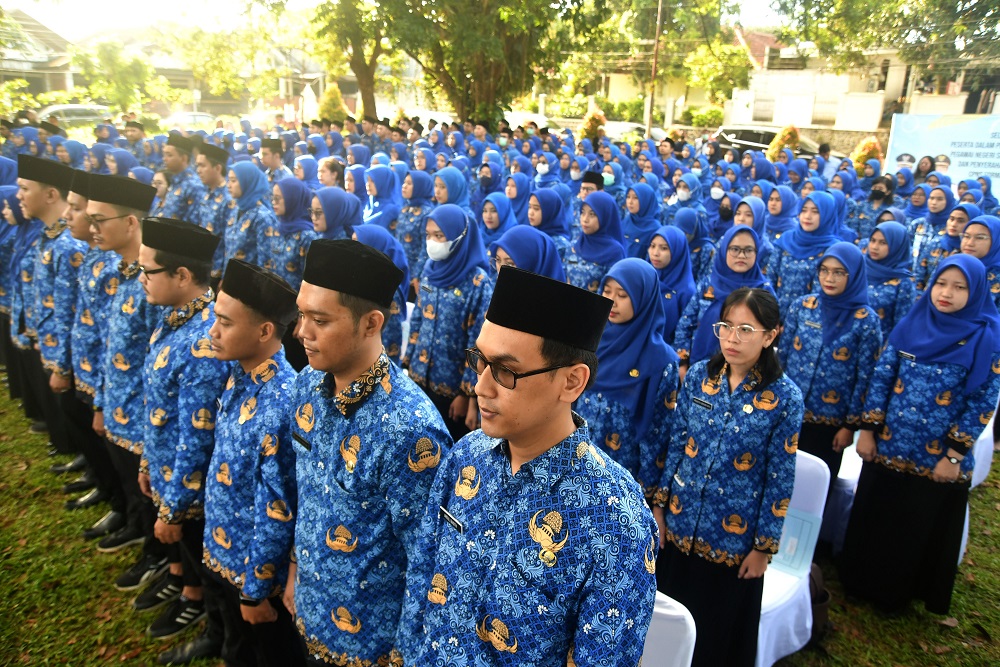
(178,617)
(117,541)
(76,465)
(38,427)
(106,525)
(201,647)
(165,589)
(144,571)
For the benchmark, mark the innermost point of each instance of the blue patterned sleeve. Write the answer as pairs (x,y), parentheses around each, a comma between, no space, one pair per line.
(869,345)
(880,386)
(200,386)
(774,268)
(686,327)
(673,448)
(274,530)
(416,317)
(653,445)
(979,407)
(478,305)
(906,295)
(789,334)
(57,359)
(779,471)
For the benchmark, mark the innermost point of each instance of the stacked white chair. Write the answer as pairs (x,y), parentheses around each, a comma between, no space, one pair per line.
(671,635)
(786,607)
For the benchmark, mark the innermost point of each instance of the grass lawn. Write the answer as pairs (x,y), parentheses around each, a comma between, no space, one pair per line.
(62,609)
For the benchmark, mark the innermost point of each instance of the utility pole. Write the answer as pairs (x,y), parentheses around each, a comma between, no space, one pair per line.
(651,103)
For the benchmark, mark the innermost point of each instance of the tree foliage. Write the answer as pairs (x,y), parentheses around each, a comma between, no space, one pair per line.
(718,68)
(131,72)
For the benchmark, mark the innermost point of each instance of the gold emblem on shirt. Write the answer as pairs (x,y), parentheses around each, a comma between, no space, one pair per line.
(222,477)
(220,537)
(943,399)
(899,386)
(766,400)
(546,535)
(675,505)
(426,457)
(202,419)
(264,372)
(467,484)
(85,365)
(780,508)
(345,621)
(50,341)
(129,306)
(202,349)
(167,473)
(305,417)
(429,312)
(192,481)
(842,354)
(49,301)
(119,362)
(86,317)
(349,449)
(269,445)
(248,410)
(613,442)
(649,556)
(496,634)
(792,444)
(438,594)
(735,524)
(744,462)
(157,416)
(265,571)
(691,448)
(120,416)
(710,386)
(162,359)
(278,510)
(112,287)
(831,397)
(341,540)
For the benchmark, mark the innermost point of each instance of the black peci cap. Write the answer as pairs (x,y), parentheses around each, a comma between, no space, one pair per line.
(32,168)
(352,268)
(214,153)
(274,145)
(51,128)
(595,178)
(126,192)
(548,308)
(182,144)
(370,119)
(135,124)
(177,237)
(80,184)
(260,290)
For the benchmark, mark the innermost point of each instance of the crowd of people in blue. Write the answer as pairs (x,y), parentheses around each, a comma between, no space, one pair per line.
(385,394)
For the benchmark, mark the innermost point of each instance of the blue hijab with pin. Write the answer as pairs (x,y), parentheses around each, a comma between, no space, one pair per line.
(802,244)
(838,311)
(531,250)
(505,215)
(606,245)
(467,249)
(896,264)
(298,200)
(676,277)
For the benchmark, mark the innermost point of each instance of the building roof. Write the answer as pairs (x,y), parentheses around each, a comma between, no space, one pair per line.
(756,42)
(32,39)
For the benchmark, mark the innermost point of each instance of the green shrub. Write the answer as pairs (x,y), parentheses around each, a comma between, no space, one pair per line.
(707,117)
(331,105)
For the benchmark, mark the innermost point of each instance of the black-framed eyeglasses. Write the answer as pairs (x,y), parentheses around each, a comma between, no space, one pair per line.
(316,212)
(99,221)
(745,251)
(744,332)
(505,377)
(837,274)
(152,272)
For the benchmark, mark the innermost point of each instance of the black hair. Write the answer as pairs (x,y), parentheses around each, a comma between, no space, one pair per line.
(334,167)
(823,148)
(360,306)
(166,175)
(201,272)
(560,354)
(764,307)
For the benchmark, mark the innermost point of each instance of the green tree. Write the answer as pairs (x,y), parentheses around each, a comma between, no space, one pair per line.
(14,96)
(331,105)
(358,27)
(718,68)
(130,74)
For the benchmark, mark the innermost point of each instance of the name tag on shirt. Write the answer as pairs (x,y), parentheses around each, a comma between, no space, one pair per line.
(425,287)
(450,518)
(302,441)
(907,356)
(814,325)
(702,403)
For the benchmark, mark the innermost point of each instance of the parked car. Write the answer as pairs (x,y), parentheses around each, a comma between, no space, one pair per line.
(76,115)
(189,120)
(758,138)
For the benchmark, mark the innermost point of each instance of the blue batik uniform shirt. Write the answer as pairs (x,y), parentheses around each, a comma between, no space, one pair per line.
(183,382)
(250,491)
(130,322)
(365,462)
(22,298)
(249,232)
(214,210)
(59,260)
(183,197)
(90,323)
(552,564)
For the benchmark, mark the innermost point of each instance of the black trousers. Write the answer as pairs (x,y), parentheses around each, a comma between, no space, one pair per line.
(817,439)
(188,551)
(38,386)
(139,510)
(274,644)
(79,417)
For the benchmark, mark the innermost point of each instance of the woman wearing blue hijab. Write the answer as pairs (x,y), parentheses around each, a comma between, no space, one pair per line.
(923,231)
(989,203)
(700,244)
(317,146)
(423,160)
(782,214)
(418,202)
(255,222)
(719,187)
(8,171)
(306,169)
(763,170)
(600,244)
(452,187)
(359,154)
(974,243)
(456,144)
(451,306)
(75,152)
(354,182)
(547,171)
(141,174)
(490,181)
(524,166)
(668,253)
(495,217)
(97,163)
(399,152)
(750,212)
(525,247)
(735,265)
(628,406)
(916,207)
(792,268)
(798,172)
(518,190)
(285,252)
(383,241)
(904,183)
(781,174)
(843,231)
(19,295)
(335,213)
(641,220)
(616,188)
(546,214)
(873,169)
(384,205)
(891,292)
(335,143)
(832,364)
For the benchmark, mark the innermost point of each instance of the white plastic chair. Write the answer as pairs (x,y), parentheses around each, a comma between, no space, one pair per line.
(838,508)
(786,606)
(671,635)
(983,451)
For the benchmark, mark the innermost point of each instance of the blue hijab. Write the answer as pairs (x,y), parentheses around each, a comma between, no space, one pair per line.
(310,171)
(843,231)
(801,244)
(677,276)
(467,249)
(531,250)
(992,259)
(317,146)
(644,223)
(953,244)
(618,187)
(383,208)
(430,161)
(838,311)
(766,188)
(27,230)
(898,260)
(866,181)
(342,212)
(759,211)
(606,245)
(457,185)
(907,188)
(784,221)
(525,166)
(123,160)
(989,201)
(849,183)
(100,167)
(552,177)
(77,153)
(362,154)
(800,167)
(253,185)
(141,174)
(940,219)
(520,203)
(505,214)
(298,200)
(8,172)
(337,141)
(636,345)
(423,189)
(913,212)
(724,281)
(357,172)
(764,170)
(977,325)
(554,221)
(382,240)
(694,227)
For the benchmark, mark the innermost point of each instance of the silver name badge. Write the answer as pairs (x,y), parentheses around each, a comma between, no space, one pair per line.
(814,325)
(450,518)
(702,403)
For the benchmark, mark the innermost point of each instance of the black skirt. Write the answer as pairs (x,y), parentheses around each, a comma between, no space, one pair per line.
(726,609)
(903,540)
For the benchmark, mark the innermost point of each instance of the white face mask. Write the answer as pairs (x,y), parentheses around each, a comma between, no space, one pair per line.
(696,171)
(717,193)
(439,250)
(542,168)
(239,147)
(576,175)
(683,195)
